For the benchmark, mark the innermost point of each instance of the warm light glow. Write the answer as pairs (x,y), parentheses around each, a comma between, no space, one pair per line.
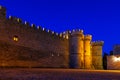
(116,58)
(66,37)
(15,38)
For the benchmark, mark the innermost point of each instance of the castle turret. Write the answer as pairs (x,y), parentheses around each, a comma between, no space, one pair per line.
(76,44)
(97,54)
(87,52)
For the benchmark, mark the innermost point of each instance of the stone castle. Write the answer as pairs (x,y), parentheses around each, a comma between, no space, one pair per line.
(25,45)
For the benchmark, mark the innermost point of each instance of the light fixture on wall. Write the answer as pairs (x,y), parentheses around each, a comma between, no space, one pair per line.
(116,59)
(15,38)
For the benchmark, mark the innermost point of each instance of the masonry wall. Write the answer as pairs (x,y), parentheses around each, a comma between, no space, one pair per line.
(31,43)
(113,62)
(17,56)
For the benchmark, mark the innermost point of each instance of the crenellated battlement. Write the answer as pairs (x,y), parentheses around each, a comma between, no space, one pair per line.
(25,23)
(88,37)
(15,20)
(97,43)
(18,20)
(76,32)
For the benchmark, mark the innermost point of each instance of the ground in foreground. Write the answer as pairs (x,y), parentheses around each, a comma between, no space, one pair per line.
(58,74)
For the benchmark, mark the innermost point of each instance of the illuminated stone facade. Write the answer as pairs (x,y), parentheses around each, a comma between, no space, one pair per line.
(25,45)
(113,61)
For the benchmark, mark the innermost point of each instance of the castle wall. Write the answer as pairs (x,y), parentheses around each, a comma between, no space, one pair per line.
(19,56)
(49,43)
(25,45)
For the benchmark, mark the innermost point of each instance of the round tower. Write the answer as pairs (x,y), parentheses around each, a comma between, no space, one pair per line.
(97,54)
(87,52)
(76,45)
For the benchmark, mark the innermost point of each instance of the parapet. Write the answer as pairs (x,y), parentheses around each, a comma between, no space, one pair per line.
(97,43)
(28,24)
(88,37)
(77,33)
(15,19)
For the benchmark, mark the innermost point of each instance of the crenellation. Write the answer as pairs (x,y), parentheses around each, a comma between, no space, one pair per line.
(53,32)
(57,34)
(88,37)
(27,23)
(43,29)
(38,27)
(15,20)
(76,31)
(48,30)
(97,43)
(19,20)
(69,32)
(61,34)
(73,30)
(33,26)
(81,31)
(64,32)
(10,17)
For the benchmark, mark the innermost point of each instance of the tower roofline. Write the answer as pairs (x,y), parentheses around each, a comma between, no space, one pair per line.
(97,43)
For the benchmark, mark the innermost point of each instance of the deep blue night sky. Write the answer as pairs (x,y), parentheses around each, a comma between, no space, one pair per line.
(101,18)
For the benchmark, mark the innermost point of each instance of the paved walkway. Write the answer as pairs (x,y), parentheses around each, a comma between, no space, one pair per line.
(58,74)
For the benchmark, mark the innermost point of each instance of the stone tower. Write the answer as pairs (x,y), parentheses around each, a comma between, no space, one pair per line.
(97,54)
(87,52)
(76,44)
